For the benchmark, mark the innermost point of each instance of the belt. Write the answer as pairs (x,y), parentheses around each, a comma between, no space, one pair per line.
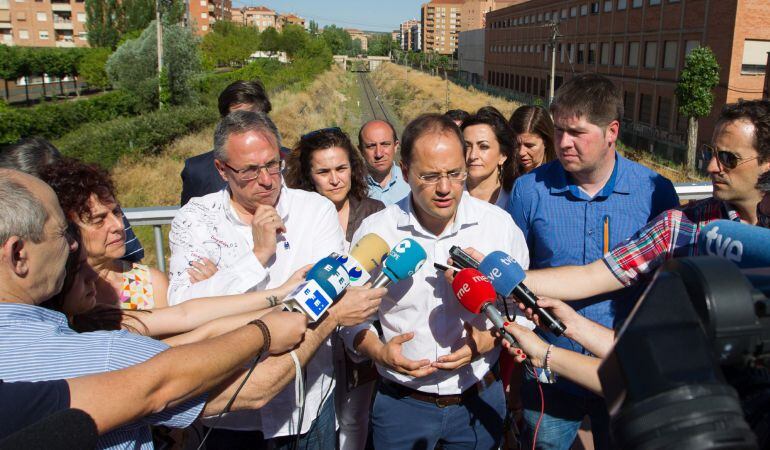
(442,401)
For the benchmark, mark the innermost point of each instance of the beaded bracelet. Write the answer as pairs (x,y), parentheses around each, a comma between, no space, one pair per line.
(547,358)
(265,335)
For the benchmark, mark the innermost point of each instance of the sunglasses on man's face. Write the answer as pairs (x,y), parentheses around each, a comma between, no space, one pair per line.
(725,159)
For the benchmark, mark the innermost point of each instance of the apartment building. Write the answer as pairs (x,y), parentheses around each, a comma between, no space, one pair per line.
(290,19)
(405,34)
(202,14)
(443,20)
(46,23)
(415,35)
(259,17)
(641,45)
(358,35)
(470,56)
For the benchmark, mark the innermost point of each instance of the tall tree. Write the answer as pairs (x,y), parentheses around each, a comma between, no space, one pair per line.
(694,93)
(104,22)
(337,39)
(293,39)
(10,59)
(270,40)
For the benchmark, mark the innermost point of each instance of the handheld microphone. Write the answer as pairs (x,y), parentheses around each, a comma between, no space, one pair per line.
(366,256)
(324,282)
(507,276)
(70,428)
(748,246)
(402,262)
(477,295)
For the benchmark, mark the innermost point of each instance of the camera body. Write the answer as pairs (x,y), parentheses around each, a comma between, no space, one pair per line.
(673,378)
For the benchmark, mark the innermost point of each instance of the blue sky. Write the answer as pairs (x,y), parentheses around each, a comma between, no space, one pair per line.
(370,15)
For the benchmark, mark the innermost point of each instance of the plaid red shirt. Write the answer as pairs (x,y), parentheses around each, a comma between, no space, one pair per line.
(673,234)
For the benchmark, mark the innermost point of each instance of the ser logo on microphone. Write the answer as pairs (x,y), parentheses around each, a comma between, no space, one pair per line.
(724,247)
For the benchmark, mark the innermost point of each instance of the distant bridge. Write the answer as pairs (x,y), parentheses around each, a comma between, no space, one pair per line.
(360,63)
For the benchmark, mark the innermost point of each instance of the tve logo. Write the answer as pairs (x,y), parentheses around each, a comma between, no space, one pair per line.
(722,246)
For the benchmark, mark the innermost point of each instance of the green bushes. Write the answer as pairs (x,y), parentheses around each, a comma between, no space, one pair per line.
(53,120)
(105,143)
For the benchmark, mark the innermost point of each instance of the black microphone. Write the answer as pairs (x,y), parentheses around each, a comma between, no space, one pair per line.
(63,430)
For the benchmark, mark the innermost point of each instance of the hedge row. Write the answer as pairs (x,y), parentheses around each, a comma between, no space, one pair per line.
(105,143)
(53,120)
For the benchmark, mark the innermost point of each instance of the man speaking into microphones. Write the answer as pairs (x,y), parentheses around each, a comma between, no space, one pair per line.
(435,357)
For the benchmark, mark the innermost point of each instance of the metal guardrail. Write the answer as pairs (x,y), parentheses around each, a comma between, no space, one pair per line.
(156,216)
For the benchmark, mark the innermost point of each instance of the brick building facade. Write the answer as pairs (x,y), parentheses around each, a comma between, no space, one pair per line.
(46,23)
(641,45)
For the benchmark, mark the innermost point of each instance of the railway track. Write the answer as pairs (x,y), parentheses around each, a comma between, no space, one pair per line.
(372,105)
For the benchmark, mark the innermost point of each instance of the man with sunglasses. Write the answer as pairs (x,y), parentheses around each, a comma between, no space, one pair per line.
(738,156)
(257,232)
(436,359)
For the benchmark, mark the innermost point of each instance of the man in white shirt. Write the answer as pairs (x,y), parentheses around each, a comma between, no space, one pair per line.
(258,233)
(436,359)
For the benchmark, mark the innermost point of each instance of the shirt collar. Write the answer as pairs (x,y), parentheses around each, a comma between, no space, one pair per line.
(561,182)
(395,176)
(11,312)
(284,203)
(463,218)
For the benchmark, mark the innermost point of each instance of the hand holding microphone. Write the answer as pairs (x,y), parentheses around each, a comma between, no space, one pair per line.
(325,281)
(286,330)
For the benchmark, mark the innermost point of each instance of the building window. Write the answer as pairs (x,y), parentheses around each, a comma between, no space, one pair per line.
(204,15)
(42,35)
(573,11)
(636,3)
(607,5)
(83,36)
(23,34)
(664,113)
(583,10)
(581,53)
(564,13)
(650,54)
(669,55)
(633,54)
(622,4)
(645,109)
(204,27)
(595,8)
(592,53)
(754,56)
(605,56)
(654,2)
(561,53)
(617,59)
(81,17)
(42,17)
(690,46)
(629,101)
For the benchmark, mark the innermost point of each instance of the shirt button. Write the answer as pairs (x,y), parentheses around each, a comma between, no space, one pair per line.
(590,232)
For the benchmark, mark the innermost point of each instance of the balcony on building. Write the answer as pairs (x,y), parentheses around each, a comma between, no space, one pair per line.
(60,5)
(65,38)
(62,21)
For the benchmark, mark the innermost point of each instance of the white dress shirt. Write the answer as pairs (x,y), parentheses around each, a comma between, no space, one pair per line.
(210,227)
(426,304)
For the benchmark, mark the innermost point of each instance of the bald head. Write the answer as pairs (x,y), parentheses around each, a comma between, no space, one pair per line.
(378,143)
(25,204)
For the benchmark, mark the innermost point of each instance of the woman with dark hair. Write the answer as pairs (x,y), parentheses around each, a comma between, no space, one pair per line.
(533,128)
(325,161)
(489,156)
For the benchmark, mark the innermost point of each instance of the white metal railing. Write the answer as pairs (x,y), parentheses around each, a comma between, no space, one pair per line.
(156,216)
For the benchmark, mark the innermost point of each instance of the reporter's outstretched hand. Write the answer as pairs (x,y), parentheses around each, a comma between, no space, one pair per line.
(294,280)
(561,310)
(287,329)
(449,275)
(357,305)
(532,347)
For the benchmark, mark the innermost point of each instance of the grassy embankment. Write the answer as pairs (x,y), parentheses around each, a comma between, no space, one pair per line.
(427,93)
(155,181)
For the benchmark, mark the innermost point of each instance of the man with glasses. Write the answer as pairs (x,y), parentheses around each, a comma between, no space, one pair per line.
(572,211)
(257,232)
(379,144)
(436,359)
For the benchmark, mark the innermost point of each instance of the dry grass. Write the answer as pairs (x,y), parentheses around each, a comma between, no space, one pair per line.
(425,93)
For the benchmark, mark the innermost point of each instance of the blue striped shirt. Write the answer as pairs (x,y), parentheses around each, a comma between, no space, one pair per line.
(396,189)
(36,344)
(563,226)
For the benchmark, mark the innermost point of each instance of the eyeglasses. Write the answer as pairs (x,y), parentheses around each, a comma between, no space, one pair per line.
(454,177)
(252,172)
(725,159)
(322,130)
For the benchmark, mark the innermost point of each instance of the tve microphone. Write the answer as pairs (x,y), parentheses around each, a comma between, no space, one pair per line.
(68,429)
(366,256)
(477,295)
(324,282)
(507,276)
(748,246)
(402,262)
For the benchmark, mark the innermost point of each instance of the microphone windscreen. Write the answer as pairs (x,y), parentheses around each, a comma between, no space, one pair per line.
(404,260)
(330,276)
(502,271)
(748,246)
(370,251)
(473,289)
(71,428)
